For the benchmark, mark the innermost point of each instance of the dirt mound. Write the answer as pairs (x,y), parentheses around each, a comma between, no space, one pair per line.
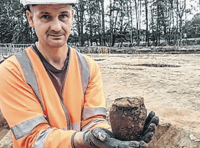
(3,126)
(6,142)
(168,136)
(5,136)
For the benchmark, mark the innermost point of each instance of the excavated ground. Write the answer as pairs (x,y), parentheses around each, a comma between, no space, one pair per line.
(170,85)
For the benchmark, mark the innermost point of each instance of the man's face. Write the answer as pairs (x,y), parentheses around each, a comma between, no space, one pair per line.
(52,23)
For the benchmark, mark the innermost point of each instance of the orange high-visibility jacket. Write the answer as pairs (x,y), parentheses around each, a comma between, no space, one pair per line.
(36,114)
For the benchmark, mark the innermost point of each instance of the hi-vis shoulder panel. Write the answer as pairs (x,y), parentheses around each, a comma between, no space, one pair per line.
(85,71)
(29,74)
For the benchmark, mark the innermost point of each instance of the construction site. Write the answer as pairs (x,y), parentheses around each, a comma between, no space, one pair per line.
(146,50)
(167,79)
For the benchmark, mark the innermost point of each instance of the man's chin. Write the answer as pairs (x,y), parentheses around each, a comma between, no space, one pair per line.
(57,44)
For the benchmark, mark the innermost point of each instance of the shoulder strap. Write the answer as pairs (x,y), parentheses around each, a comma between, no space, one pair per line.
(85,71)
(29,74)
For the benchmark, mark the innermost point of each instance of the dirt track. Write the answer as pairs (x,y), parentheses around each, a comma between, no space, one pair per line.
(170,85)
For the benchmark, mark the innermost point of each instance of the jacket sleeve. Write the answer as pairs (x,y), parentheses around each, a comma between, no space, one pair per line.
(24,114)
(94,111)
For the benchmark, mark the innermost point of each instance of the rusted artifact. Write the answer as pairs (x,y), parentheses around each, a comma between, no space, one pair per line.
(127,118)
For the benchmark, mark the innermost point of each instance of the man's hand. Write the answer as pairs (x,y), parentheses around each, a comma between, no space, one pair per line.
(150,126)
(103,138)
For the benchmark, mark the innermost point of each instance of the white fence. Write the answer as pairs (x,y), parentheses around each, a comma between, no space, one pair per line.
(9,49)
(12,48)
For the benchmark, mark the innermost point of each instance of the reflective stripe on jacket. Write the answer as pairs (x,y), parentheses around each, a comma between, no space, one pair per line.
(38,117)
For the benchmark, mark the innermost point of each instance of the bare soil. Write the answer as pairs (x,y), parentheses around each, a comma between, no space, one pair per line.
(170,85)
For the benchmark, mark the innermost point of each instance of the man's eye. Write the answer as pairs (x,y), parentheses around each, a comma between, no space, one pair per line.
(64,16)
(46,17)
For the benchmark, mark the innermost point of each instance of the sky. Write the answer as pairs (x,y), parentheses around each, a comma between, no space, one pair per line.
(196,6)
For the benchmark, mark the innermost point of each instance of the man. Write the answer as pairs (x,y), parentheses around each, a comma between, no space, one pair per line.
(51,95)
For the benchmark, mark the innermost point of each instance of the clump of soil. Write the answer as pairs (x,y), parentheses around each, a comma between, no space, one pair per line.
(127,118)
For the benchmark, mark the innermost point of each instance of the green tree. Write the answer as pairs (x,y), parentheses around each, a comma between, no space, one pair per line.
(14,27)
(79,20)
(147,22)
(181,6)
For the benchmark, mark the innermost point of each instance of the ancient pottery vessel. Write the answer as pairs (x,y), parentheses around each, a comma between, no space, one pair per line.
(127,117)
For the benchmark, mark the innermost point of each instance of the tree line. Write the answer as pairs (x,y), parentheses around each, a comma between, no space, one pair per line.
(117,22)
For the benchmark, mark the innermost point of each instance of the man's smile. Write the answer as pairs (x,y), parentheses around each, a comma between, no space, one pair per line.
(56,35)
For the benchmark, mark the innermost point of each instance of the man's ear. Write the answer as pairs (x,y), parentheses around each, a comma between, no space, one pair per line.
(29,16)
(73,14)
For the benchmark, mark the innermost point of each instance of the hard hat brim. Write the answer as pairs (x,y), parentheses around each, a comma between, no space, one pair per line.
(32,2)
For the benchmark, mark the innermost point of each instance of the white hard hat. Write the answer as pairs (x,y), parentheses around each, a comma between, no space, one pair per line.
(32,2)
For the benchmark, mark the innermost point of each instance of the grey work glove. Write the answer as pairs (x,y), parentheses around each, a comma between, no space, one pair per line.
(103,138)
(149,127)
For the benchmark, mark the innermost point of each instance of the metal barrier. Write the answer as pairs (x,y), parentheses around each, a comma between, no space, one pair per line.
(104,51)
(8,49)
(12,48)
(101,50)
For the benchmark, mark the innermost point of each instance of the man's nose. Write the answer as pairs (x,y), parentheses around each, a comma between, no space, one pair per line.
(56,25)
